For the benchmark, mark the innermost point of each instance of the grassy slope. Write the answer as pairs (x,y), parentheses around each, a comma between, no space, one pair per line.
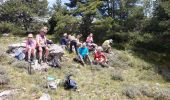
(94,83)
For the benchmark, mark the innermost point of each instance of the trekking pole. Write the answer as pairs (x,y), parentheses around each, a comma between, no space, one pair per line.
(29,68)
(81,58)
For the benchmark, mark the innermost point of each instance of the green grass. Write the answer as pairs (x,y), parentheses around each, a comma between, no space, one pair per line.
(93,83)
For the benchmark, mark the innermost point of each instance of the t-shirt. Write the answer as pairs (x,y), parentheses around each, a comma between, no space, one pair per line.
(41,40)
(63,41)
(100,57)
(30,43)
(106,43)
(83,51)
(89,39)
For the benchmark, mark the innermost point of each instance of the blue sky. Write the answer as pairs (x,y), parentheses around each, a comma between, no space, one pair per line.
(51,2)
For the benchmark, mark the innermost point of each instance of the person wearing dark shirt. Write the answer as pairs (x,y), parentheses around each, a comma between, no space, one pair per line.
(64,41)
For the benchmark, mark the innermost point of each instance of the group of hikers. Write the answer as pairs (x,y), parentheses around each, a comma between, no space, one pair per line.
(40,46)
(82,49)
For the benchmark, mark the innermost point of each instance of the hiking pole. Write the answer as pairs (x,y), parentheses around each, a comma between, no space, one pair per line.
(29,68)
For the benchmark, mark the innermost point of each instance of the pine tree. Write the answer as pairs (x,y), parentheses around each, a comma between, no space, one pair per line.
(21,12)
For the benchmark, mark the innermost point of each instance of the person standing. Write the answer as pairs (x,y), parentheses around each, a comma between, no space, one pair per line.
(64,40)
(73,42)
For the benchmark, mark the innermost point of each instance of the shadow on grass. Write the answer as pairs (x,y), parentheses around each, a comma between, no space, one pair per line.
(156,52)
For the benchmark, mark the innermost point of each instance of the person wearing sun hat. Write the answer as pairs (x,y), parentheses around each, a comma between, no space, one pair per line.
(31,47)
(42,43)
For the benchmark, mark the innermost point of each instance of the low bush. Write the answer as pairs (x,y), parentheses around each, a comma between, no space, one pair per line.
(132,91)
(151,91)
(117,75)
(21,64)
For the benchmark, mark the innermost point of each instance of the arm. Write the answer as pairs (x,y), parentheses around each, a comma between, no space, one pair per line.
(104,57)
(37,40)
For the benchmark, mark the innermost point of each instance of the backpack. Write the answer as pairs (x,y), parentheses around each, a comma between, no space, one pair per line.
(19,54)
(69,83)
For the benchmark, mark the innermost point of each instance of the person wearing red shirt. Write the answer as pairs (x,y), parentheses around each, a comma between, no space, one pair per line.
(99,57)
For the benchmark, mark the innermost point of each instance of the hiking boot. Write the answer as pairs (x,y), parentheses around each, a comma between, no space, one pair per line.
(40,61)
(45,60)
(29,60)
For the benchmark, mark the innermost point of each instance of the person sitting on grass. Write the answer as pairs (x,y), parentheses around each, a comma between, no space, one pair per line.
(83,55)
(31,47)
(106,46)
(42,44)
(100,58)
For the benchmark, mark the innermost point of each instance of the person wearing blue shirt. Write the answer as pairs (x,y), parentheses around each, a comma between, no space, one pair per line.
(83,53)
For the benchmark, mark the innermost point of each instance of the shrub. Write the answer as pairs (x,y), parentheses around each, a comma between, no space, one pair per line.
(4,79)
(5,58)
(6,27)
(132,91)
(21,64)
(151,91)
(117,75)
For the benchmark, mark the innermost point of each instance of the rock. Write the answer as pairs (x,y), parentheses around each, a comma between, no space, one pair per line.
(45,97)
(5,35)
(7,93)
(56,49)
(17,45)
(39,67)
(52,85)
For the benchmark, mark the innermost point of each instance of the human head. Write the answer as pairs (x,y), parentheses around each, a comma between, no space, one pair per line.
(79,35)
(65,34)
(91,34)
(45,29)
(110,40)
(30,36)
(42,31)
(99,49)
(84,45)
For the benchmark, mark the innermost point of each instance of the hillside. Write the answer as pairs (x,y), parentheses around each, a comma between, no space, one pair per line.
(129,77)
